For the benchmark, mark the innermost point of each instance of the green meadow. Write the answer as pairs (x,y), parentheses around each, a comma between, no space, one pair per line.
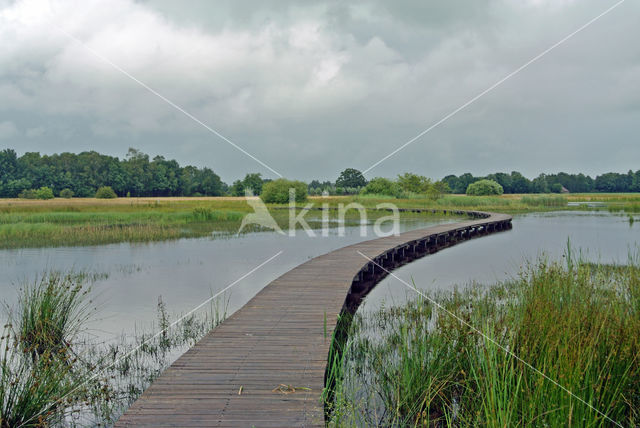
(86,221)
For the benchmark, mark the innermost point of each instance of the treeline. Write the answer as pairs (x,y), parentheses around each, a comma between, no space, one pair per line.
(84,173)
(136,175)
(611,182)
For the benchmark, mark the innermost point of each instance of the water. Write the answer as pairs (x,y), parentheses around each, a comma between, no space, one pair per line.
(185,272)
(599,236)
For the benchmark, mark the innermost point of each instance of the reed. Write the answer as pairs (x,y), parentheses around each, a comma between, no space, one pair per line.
(545,201)
(577,322)
(51,313)
(52,374)
(32,391)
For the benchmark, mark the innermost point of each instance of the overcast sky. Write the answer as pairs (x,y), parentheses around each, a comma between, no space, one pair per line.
(311,88)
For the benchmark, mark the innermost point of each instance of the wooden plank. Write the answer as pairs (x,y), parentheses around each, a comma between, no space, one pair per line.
(279,338)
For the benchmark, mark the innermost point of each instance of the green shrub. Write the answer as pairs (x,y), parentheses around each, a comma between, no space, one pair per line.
(277,191)
(27,194)
(44,193)
(414,183)
(484,188)
(382,186)
(106,192)
(66,193)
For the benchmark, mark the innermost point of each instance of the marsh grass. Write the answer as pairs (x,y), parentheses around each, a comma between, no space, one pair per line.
(40,379)
(51,313)
(629,208)
(577,322)
(93,222)
(31,390)
(78,221)
(545,201)
(53,374)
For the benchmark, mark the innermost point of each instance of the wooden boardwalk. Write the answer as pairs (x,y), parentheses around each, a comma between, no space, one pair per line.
(278,337)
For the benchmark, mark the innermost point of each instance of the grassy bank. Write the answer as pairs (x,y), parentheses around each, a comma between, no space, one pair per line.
(517,203)
(63,222)
(90,222)
(417,365)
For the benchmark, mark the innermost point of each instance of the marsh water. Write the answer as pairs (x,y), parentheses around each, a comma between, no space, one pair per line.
(129,278)
(596,236)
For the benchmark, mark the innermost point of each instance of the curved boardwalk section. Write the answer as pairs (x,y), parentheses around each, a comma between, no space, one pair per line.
(282,337)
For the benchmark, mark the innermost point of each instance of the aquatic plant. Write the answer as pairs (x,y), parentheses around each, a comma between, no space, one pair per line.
(52,374)
(51,312)
(33,393)
(545,201)
(555,346)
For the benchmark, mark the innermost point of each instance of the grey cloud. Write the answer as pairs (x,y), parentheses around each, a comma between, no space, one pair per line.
(7,130)
(311,88)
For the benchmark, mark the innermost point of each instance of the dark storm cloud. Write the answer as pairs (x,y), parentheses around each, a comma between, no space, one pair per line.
(311,88)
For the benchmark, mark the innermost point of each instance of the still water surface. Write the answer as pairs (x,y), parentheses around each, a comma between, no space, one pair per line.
(186,272)
(596,235)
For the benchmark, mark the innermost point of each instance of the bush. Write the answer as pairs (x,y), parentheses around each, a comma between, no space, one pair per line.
(66,193)
(556,188)
(106,192)
(27,194)
(277,191)
(41,193)
(382,186)
(414,183)
(44,193)
(484,188)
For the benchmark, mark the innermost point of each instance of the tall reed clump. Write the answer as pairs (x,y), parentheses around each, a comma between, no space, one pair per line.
(32,392)
(40,380)
(50,315)
(577,323)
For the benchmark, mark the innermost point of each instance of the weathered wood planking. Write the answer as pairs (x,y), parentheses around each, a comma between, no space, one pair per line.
(278,337)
